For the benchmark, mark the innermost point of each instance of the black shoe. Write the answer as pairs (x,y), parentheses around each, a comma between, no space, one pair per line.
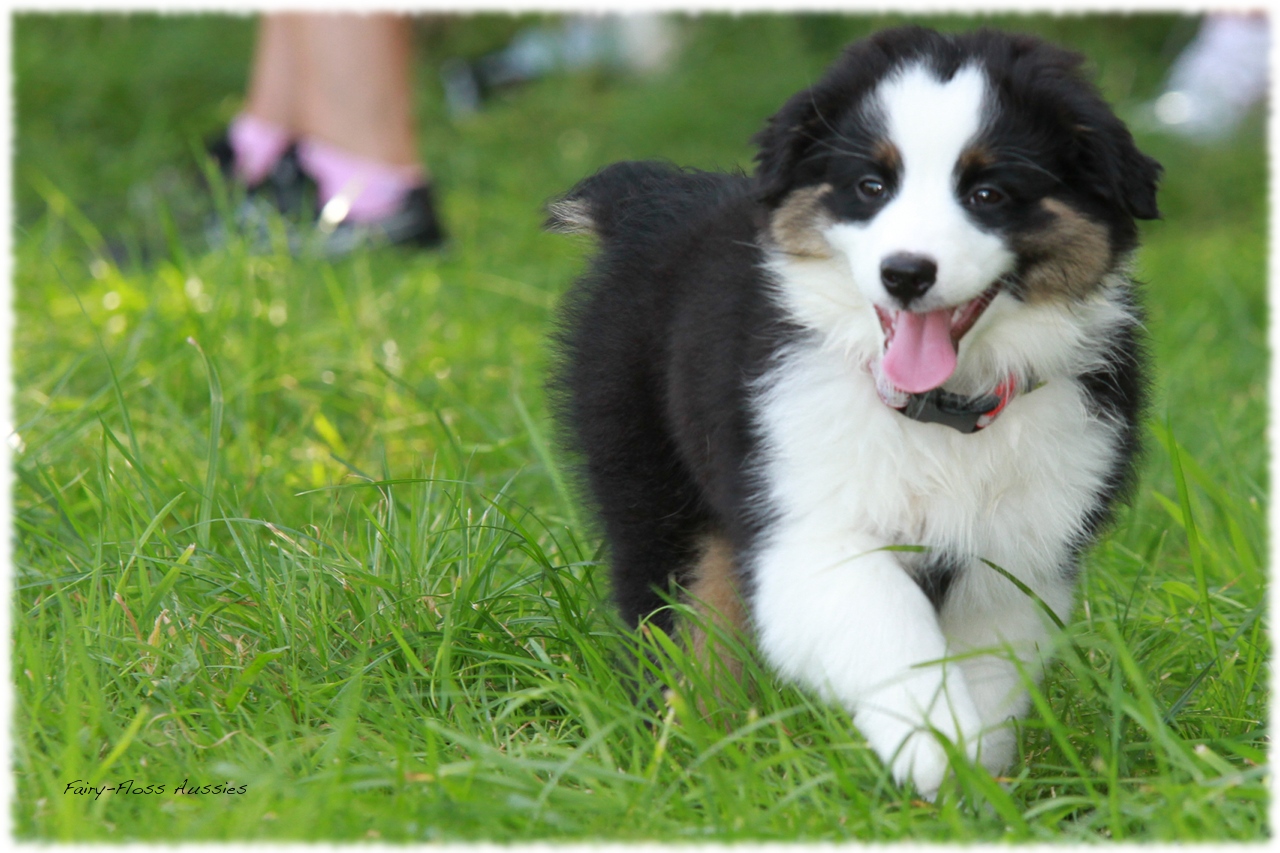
(414,224)
(287,195)
(286,187)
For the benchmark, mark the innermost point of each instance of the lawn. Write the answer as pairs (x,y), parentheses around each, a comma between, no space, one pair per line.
(299,529)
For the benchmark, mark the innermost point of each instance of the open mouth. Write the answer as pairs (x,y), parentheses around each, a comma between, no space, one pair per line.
(920,348)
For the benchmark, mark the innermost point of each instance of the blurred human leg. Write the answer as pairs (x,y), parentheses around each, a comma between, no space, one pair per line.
(355,114)
(339,87)
(259,136)
(354,77)
(274,84)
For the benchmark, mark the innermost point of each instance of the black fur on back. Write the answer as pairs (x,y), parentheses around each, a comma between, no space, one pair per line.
(658,343)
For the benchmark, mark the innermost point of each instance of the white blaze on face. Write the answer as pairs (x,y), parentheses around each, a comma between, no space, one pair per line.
(930,123)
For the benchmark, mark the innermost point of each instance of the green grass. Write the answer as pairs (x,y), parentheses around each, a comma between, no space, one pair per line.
(327,554)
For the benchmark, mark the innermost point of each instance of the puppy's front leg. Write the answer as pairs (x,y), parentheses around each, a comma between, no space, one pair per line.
(845,619)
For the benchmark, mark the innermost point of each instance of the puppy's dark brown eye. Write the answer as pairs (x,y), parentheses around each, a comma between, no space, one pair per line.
(871,188)
(985,197)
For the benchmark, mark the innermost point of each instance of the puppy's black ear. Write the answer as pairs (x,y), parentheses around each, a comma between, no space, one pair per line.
(1051,82)
(807,123)
(789,138)
(1111,162)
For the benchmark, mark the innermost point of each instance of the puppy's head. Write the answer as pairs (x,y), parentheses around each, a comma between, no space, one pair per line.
(949,172)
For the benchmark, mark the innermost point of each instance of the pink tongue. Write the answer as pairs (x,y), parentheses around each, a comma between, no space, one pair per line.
(920,356)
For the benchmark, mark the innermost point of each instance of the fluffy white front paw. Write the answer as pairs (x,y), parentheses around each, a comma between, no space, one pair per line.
(906,735)
(922,761)
(999,748)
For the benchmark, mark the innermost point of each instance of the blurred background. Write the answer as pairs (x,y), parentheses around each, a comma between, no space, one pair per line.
(315,377)
(114,113)
(113,109)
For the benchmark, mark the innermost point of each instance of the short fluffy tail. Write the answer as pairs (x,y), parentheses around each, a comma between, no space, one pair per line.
(644,198)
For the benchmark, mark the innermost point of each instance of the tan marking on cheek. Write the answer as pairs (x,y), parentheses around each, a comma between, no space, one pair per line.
(1068,257)
(715,595)
(796,226)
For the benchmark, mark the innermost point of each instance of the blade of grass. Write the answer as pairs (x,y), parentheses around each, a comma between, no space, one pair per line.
(211,459)
(543,450)
(249,675)
(1186,694)
(1193,538)
(1029,592)
(120,746)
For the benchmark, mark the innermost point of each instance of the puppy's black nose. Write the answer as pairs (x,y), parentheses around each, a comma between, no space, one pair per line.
(907,276)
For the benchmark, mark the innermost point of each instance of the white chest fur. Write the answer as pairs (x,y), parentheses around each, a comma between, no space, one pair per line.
(844,476)
(1015,493)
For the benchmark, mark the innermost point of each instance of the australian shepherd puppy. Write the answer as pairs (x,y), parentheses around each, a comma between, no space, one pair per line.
(827,398)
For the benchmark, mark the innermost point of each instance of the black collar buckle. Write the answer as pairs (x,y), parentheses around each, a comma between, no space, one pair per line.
(953,410)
